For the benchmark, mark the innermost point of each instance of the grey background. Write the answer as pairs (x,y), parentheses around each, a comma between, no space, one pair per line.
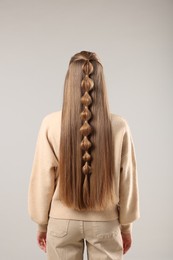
(134,41)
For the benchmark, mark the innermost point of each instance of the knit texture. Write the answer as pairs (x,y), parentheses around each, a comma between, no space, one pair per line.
(43,200)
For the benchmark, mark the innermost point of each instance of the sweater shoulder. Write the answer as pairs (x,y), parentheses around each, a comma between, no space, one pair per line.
(119,121)
(52,118)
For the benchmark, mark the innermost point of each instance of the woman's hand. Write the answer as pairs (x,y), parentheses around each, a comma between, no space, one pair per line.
(127,241)
(41,239)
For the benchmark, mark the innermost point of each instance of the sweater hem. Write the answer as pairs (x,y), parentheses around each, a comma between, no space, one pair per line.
(59,210)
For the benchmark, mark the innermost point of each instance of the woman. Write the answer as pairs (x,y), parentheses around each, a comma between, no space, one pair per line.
(83,184)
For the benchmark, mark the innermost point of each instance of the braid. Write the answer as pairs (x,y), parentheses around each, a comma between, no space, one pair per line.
(86,129)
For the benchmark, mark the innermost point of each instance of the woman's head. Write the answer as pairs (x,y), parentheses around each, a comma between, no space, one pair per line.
(86,165)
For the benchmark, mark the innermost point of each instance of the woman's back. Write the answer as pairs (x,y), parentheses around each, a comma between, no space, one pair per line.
(84,166)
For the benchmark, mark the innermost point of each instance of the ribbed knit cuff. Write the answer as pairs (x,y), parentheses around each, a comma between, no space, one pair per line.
(126,228)
(42,228)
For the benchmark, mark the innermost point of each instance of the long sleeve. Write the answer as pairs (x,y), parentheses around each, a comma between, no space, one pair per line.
(126,228)
(128,193)
(42,179)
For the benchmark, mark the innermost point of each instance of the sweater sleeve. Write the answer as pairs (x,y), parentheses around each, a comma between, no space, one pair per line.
(42,178)
(126,228)
(128,192)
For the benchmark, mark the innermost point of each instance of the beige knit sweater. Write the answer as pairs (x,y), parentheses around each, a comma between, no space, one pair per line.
(43,199)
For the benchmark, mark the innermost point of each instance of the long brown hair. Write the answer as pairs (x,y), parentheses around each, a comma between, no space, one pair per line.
(86,164)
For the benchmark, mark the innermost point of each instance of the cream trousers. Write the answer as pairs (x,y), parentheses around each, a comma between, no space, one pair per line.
(65,239)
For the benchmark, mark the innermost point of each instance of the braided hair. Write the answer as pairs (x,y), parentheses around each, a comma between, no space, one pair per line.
(87,85)
(86,176)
